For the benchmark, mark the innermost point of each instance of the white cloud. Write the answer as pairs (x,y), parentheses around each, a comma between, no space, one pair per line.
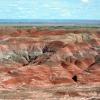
(85,1)
(65,13)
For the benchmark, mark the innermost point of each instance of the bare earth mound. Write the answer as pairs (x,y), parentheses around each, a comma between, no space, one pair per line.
(49,64)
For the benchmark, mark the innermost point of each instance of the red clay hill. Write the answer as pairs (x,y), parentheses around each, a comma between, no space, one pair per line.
(48,57)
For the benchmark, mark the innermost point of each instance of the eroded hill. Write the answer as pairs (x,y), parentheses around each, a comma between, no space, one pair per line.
(43,57)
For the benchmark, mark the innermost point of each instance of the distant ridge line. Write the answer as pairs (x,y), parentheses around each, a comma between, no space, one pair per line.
(53,21)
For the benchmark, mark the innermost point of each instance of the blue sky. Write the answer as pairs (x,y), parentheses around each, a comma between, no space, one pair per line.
(50,9)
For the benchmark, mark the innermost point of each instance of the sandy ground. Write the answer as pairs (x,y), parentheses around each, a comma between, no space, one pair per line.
(58,92)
